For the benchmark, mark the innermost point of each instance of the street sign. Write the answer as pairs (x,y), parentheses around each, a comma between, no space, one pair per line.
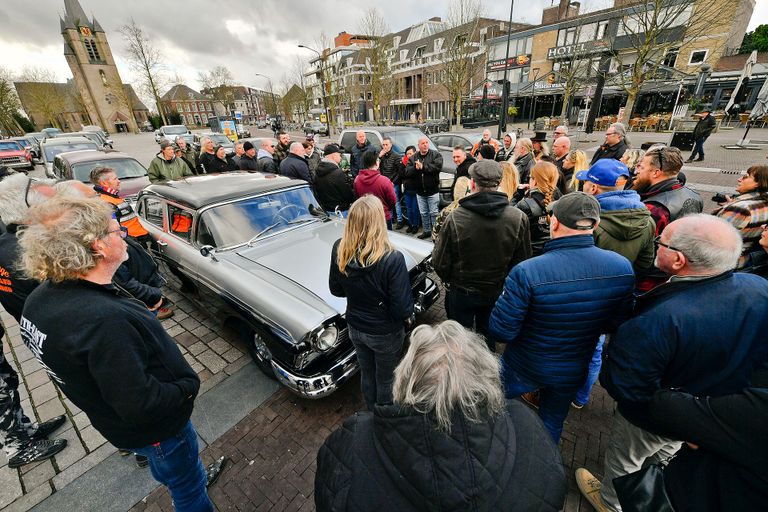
(323,119)
(238,115)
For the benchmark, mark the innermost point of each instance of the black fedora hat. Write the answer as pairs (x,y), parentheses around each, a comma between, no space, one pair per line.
(539,137)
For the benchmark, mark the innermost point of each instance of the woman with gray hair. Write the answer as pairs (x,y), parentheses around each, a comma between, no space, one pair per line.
(450,441)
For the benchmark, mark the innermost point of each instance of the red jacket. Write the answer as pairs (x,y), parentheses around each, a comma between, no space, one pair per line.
(370,181)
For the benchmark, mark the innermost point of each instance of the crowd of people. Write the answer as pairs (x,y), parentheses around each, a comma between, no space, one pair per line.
(557,273)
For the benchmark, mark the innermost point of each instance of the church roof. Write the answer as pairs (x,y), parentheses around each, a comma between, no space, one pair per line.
(28,91)
(75,15)
(133,98)
(97,26)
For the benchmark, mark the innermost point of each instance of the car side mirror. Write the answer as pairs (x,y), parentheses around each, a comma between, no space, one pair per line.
(209,250)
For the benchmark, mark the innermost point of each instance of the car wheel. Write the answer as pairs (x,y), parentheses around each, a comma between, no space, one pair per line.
(257,342)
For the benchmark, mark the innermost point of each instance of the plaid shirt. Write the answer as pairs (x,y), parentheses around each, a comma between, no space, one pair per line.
(747,213)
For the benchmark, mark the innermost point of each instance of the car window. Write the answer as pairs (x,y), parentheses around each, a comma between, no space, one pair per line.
(151,208)
(204,235)
(401,139)
(442,140)
(125,168)
(220,139)
(52,151)
(236,223)
(347,141)
(10,145)
(175,130)
(58,168)
(373,138)
(180,222)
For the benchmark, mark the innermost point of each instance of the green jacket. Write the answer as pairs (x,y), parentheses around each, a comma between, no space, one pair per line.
(167,170)
(630,233)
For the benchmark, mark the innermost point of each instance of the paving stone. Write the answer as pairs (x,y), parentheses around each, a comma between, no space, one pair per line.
(39,475)
(29,366)
(72,408)
(189,323)
(197,367)
(175,331)
(81,421)
(219,345)
(32,498)
(92,438)
(197,348)
(73,452)
(231,368)
(22,353)
(186,338)
(200,331)
(43,393)
(50,409)
(83,465)
(212,361)
(231,355)
(10,485)
(37,378)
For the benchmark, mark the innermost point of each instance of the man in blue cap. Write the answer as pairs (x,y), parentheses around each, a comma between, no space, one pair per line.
(626,227)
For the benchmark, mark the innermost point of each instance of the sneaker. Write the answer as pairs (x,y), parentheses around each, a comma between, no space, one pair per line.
(164,313)
(214,470)
(36,451)
(425,235)
(576,405)
(141,461)
(590,488)
(531,398)
(47,428)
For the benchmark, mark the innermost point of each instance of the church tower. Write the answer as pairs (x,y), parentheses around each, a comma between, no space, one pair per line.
(87,51)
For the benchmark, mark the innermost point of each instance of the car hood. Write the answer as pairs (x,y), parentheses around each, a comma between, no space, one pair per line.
(304,255)
(20,152)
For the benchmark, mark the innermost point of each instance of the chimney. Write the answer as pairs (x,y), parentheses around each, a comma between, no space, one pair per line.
(565,9)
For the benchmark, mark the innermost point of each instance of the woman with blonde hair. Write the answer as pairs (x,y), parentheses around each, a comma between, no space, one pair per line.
(541,192)
(461,189)
(509,179)
(372,275)
(575,162)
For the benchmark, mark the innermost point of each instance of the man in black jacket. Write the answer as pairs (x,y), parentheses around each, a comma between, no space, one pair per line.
(615,144)
(701,132)
(248,161)
(362,144)
(295,165)
(463,162)
(332,186)
(265,158)
(483,238)
(425,165)
(115,362)
(389,167)
(139,276)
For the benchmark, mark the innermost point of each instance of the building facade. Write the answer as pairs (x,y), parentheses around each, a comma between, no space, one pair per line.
(194,108)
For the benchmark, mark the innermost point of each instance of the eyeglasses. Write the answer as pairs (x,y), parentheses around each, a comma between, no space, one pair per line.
(610,133)
(122,230)
(657,242)
(26,191)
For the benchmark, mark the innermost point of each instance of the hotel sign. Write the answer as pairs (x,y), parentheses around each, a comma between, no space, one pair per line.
(511,63)
(585,48)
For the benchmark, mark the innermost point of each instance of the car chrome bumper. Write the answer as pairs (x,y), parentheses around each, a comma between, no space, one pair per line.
(426,298)
(319,386)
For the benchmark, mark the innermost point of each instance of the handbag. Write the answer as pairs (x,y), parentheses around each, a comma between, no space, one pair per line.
(643,491)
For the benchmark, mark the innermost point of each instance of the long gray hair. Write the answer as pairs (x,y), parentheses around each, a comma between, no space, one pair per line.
(449,369)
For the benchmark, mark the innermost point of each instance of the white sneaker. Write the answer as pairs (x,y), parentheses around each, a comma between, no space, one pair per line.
(590,488)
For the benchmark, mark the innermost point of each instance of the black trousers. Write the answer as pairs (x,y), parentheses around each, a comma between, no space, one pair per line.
(472,311)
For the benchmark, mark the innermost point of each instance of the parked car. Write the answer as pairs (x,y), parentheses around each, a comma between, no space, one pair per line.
(30,144)
(402,137)
(258,249)
(77,165)
(53,146)
(100,131)
(50,132)
(217,138)
(14,156)
(448,141)
(96,137)
(170,131)
(316,127)
(242,131)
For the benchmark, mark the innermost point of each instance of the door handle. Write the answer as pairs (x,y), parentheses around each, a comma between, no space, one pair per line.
(162,243)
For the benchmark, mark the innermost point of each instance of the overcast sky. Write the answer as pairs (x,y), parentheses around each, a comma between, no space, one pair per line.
(246,36)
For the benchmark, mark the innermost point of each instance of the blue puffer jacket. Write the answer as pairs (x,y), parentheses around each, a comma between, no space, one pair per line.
(555,306)
(705,337)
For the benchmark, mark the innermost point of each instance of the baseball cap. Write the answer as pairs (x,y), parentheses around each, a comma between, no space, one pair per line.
(486,173)
(605,172)
(330,149)
(576,206)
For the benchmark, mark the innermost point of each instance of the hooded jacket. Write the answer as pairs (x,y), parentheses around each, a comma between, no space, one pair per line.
(295,167)
(332,187)
(161,169)
(265,162)
(395,459)
(370,181)
(482,239)
(378,296)
(626,227)
(427,179)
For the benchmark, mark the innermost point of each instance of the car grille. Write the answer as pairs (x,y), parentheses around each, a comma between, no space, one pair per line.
(12,160)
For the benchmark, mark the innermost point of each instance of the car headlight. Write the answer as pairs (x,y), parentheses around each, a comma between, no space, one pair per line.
(326,338)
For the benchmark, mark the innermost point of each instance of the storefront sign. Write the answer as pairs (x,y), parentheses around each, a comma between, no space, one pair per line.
(512,62)
(585,48)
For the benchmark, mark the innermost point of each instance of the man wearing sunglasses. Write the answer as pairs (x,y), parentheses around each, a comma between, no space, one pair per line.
(703,331)
(266,162)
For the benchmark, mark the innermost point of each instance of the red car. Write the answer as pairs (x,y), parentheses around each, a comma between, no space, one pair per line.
(14,156)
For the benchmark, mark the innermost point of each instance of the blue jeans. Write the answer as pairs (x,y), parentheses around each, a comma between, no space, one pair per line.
(378,355)
(428,207)
(554,401)
(698,147)
(582,397)
(412,208)
(176,464)
(398,206)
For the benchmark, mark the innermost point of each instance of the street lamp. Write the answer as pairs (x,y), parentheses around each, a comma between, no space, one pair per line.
(533,96)
(504,84)
(274,103)
(322,79)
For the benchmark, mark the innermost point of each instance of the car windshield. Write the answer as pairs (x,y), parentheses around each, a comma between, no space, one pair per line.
(175,130)
(239,222)
(401,139)
(23,142)
(10,145)
(220,139)
(52,151)
(125,168)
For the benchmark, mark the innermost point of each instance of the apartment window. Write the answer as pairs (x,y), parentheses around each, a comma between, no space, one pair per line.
(419,52)
(429,78)
(671,57)
(697,57)
(602,26)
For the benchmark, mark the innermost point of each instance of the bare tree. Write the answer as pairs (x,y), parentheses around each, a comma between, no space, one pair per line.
(218,84)
(146,61)
(43,95)
(377,72)
(650,29)
(9,104)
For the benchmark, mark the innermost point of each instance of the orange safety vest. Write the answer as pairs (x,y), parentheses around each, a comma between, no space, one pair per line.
(126,216)
(181,223)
